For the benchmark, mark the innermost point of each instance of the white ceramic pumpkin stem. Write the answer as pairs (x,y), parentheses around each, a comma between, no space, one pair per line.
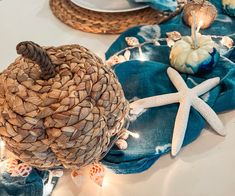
(193,30)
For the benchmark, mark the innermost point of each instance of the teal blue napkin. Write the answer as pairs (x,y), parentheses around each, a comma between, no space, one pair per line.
(21,186)
(148,78)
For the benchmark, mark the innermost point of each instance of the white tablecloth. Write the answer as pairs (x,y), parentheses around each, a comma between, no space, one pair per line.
(205,168)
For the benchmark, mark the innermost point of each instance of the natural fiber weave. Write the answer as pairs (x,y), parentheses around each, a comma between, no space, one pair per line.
(110,23)
(66,120)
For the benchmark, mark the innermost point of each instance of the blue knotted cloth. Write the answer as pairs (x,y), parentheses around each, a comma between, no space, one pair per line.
(143,79)
(21,186)
(33,185)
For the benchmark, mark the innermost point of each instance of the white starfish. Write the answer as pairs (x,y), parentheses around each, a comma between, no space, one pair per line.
(186,97)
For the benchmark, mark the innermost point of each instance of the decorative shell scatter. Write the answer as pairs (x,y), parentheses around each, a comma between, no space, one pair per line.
(187,59)
(58,106)
(205,13)
(97,173)
(229,7)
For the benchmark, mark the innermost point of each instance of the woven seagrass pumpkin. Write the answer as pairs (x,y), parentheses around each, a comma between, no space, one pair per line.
(59,106)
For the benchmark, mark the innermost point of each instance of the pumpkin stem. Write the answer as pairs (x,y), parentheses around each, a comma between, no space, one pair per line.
(36,53)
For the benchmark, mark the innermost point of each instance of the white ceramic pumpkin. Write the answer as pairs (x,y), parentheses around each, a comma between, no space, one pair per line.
(229,7)
(187,59)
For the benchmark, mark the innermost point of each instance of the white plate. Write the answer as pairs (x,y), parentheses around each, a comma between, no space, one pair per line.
(109,5)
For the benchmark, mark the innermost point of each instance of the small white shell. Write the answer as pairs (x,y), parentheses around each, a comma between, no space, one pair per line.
(77,177)
(11,165)
(121,144)
(127,55)
(97,173)
(113,60)
(125,135)
(132,41)
(174,35)
(227,41)
(57,173)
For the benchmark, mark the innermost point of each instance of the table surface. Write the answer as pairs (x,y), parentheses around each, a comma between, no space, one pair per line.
(205,168)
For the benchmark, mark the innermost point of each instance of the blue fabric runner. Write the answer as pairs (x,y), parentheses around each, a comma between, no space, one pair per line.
(148,78)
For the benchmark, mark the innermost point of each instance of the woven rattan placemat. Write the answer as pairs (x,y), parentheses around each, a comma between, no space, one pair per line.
(108,23)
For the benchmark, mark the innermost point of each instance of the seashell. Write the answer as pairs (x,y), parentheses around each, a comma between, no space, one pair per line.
(11,165)
(23,169)
(57,173)
(125,136)
(118,59)
(227,41)
(77,177)
(121,144)
(132,41)
(97,173)
(127,55)
(174,35)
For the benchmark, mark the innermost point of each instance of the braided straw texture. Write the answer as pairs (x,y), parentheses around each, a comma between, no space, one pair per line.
(109,23)
(67,120)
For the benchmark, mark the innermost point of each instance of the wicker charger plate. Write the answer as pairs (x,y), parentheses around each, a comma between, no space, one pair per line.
(108,23)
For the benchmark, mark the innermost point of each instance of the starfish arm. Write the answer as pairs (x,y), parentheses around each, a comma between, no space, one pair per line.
(180,126)
(154,101)
(176,79)
(206,86)
(209,115)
